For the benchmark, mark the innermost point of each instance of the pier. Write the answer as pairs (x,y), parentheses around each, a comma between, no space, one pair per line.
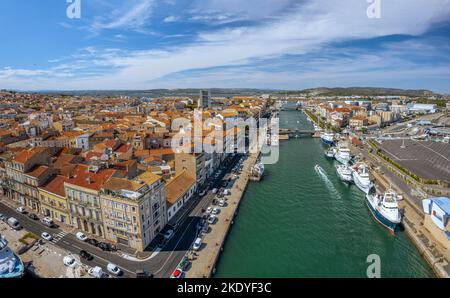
(204,263)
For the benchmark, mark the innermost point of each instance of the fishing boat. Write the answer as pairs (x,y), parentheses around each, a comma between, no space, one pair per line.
(345,173)
(384,209)
(343,155)
(360,173)
(330,153)
(327,138)
(257,172)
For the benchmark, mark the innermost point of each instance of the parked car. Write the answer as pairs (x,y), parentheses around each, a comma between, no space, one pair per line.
(48,222)
(222,203)
(85,255)
(114,269)
(143,274)
(212,219)
(14,223)
(21,210)
(97,272)
(197,244)
(70,261)
(81,236)
(209,210)
(2,217)
(33,216)
(214,191)
(46,236)
(216,211)
(92,241)
(105,246)
(177,273)
(168,234)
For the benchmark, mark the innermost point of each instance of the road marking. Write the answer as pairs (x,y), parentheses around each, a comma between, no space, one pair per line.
(176,245)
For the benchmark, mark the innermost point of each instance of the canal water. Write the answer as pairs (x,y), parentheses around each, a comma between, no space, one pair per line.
(299,223)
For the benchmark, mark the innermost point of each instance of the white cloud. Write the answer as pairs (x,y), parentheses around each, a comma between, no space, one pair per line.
(311,25)
(171,19)
(128,17)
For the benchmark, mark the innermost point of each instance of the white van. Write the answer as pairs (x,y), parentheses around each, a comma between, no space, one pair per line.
(14,223)
(47,221)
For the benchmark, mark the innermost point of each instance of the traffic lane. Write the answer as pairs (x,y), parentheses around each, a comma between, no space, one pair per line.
(69,242)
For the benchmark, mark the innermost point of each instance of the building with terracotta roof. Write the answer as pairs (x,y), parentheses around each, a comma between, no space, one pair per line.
(82,189)
(134,211)
(179,190)
(53,200)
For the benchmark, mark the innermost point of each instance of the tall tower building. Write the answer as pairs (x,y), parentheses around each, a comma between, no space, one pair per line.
(203,101)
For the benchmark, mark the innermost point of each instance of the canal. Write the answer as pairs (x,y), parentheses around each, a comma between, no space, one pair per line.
(298,223)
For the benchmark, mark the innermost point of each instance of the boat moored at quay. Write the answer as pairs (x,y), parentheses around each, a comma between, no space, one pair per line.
(344,173)
(343,155)
(327,138)
(360,173)
(384,209)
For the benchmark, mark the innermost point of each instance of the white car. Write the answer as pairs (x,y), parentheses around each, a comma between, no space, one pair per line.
(216,211)
(214,191)
(212,219)
(70,261)
(114,269)
(47,236)
(81,236)
(209,210)
(21,210)
(222,203)
(197,244)
(168,234)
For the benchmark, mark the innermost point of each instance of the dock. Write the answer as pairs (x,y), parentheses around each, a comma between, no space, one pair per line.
(204,262)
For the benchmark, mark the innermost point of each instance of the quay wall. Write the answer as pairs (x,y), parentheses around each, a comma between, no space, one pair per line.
(204,265)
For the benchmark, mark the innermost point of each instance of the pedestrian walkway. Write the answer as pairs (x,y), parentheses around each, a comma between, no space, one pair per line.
(204,260)
(58,237)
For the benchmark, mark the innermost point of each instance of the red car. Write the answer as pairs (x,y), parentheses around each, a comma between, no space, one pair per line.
(177,273)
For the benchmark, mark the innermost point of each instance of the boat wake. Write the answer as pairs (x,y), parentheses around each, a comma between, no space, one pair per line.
(319,170)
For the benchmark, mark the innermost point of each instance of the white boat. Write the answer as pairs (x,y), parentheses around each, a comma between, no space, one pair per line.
(384,209)
(327,138)
(343,155)
(361,177)
(10,265)
(330,153)
(257,171)
(345,173)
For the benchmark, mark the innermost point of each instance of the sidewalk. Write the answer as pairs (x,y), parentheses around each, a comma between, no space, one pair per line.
(203,261)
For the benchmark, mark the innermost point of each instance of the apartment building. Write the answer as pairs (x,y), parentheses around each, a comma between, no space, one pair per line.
(82,189)
(179,190)
(134,211)
(25,173)
(53,200)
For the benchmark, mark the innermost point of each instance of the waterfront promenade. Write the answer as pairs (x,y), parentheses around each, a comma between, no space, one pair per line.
(204,261)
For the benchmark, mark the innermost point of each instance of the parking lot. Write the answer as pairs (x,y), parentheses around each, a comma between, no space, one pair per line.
(428,160)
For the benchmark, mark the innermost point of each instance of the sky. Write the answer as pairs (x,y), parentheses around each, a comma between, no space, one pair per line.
(269,44)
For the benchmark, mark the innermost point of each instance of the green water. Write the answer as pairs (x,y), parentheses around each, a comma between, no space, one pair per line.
(296,223)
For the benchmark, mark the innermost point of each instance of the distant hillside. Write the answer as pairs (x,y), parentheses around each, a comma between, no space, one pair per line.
(220,92)
(366,91)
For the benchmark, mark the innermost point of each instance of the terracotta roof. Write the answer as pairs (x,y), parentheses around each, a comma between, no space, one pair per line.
(37,171)
(94,181)
(55,186)
(176,187)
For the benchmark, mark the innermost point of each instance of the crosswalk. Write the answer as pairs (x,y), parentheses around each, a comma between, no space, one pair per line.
(59,236)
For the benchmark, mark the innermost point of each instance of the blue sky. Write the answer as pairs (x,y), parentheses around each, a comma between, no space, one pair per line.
(274,44)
